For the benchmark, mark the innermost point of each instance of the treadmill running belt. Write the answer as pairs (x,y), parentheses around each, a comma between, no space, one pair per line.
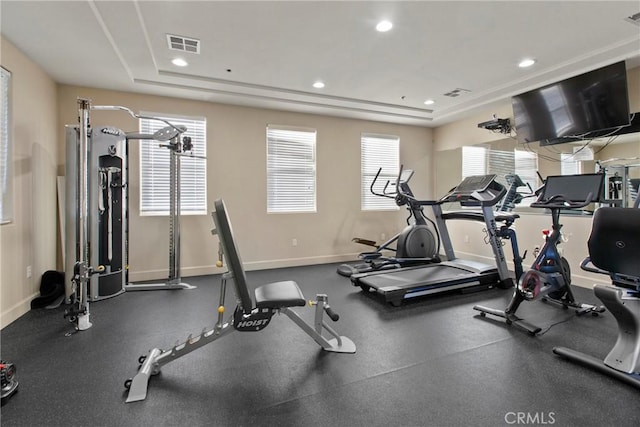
(398,285)
(428,276)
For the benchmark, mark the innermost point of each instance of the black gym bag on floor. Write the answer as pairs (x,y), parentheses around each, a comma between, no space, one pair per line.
(51,289)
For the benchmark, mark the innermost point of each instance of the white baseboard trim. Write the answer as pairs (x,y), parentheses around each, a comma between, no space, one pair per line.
(587,281)
(298,262)
(14,312)
(142,276)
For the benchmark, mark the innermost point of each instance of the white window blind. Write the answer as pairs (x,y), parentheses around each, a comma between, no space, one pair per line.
(474,160)
(6,174)
(291,169)
(568,165)
(501,163)
(378,151)
(527,167)
(479,160)
(154,168)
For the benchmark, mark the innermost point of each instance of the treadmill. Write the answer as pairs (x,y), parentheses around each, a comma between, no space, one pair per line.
(395,286)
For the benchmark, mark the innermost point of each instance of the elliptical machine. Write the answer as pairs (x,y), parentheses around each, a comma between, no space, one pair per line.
(415,244)
(549,278)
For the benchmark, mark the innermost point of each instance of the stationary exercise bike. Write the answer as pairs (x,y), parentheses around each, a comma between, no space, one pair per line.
(415,244)
(614,245)
(549,278)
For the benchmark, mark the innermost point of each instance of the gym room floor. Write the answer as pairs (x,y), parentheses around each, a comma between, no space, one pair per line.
(431,362)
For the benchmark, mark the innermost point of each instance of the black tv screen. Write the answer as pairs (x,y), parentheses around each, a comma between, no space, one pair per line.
(571,108)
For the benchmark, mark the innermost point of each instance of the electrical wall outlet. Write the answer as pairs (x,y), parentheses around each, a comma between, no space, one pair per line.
(29,272)
(294,242)
(383,236)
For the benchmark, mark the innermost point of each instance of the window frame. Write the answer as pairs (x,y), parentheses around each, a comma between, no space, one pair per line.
(285,197)
(388,159)
(6,152)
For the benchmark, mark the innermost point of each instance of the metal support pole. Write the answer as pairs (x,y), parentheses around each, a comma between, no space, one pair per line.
(80,309)
(174,281)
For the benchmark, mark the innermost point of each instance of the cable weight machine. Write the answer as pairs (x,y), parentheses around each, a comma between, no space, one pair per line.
(96,217)
(177,146)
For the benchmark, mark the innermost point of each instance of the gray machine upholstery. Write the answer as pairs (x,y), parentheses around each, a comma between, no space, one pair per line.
(272,295)
(614,243)
(231,254)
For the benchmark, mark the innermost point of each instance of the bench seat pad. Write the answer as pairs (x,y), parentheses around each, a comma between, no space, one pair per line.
(279,294)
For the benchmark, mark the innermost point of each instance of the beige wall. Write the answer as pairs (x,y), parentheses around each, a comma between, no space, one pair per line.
(30,240)
(236,169)
(447,142)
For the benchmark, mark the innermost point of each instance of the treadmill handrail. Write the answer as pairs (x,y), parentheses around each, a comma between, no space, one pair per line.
(474,215)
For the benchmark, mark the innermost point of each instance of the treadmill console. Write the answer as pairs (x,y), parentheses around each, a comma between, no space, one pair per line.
(478,190)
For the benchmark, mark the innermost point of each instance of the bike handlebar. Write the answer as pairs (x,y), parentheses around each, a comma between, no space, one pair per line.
(560,201)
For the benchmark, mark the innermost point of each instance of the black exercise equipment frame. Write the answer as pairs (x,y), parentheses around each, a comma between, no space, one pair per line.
(550,276)
(405,253)
(400,284)
(613,247)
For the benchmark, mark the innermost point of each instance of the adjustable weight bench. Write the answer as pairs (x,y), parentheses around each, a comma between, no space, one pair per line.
(272,298)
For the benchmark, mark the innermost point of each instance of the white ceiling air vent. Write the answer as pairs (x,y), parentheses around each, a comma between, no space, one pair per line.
(183,44)
(634,19)
(456,92)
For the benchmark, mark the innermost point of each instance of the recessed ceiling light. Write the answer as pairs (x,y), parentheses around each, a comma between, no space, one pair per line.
(318,85)
(526,63)
(429,102)
(384,26)
(179,62)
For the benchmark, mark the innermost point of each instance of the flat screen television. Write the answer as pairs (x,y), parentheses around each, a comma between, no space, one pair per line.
(573,108)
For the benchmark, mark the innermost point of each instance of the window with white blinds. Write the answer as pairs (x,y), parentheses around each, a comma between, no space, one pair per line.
(154,168)
(527,167)
(482,160)
(6,174)
(568,164)
(378,151)
(291,169)
(474,160)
